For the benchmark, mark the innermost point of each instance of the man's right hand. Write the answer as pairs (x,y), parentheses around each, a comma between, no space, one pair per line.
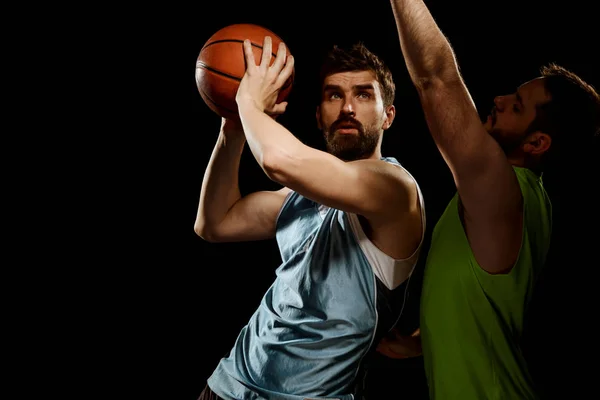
(395,345)
(232,127)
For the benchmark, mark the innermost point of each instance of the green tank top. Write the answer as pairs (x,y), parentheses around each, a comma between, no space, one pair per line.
(472,321)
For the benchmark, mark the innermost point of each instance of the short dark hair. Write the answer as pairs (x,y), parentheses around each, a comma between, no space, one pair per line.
(358,58)
(571,116)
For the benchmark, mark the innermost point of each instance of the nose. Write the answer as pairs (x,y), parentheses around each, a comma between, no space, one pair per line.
(348,108)
(499,102)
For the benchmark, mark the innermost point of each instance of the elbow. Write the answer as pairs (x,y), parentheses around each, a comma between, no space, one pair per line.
(444,72)
(204,231)
(434,82)
(438,85)
(276,166)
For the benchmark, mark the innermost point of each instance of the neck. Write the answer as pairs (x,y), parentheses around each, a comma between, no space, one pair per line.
(376,154)
(516,161)
(523,162)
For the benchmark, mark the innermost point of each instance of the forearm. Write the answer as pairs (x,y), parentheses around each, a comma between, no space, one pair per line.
(270,142)
(427,52)
(220,189)
(450,112)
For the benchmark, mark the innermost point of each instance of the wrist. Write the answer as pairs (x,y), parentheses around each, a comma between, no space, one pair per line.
(232,137)
(245,103)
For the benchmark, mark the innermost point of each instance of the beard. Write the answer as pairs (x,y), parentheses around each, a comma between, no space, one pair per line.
(508,143)
(351,147)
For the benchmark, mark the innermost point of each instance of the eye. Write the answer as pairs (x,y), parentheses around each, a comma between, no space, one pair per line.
(364,95)
(515,108)
(334,95)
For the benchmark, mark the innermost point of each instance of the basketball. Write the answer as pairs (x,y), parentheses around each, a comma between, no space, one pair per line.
(221,65)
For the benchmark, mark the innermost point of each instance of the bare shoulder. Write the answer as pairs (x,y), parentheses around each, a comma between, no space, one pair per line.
(394,185)
(397,228)
(389,172)
(283,192)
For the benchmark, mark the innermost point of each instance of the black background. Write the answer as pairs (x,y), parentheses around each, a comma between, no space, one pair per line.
(184,300)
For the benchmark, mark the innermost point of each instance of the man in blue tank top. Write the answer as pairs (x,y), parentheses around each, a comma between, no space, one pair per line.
(349,224)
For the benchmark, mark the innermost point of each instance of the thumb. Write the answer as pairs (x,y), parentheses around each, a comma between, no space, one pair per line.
(280,108)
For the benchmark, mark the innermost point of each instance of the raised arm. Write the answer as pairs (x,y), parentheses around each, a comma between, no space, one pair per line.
(486,183)
(372,188)
(223,215)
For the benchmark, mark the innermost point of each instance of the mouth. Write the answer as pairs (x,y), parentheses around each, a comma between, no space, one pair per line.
(491,118)
(346,130)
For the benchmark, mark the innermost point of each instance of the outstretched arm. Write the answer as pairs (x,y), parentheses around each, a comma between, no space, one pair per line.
(486,183)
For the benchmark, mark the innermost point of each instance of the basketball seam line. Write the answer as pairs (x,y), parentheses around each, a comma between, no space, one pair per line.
(216,71)
(217,104)
(234,41)
(202,64)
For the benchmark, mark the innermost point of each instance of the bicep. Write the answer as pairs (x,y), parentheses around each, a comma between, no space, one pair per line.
(372,188)
(253,217)
(484,178)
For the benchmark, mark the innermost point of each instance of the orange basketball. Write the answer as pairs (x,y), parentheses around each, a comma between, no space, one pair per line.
(221,65)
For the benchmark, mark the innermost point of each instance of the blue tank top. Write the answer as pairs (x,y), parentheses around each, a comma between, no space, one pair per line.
(316,321)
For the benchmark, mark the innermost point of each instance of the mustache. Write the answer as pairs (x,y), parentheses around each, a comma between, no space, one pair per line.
(347,122)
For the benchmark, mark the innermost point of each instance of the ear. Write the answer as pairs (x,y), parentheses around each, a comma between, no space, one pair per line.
(537,143)
(318,115)
(390,114)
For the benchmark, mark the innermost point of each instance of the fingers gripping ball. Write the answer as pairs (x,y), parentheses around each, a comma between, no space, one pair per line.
(221,65)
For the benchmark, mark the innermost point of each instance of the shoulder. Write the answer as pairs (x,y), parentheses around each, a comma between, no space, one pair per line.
(532,188)
(397,190)
(389,169)
(536,203)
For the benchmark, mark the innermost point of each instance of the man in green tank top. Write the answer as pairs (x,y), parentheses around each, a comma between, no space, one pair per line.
(491,242)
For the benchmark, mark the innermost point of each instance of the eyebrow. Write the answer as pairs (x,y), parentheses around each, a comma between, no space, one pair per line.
(365,86)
